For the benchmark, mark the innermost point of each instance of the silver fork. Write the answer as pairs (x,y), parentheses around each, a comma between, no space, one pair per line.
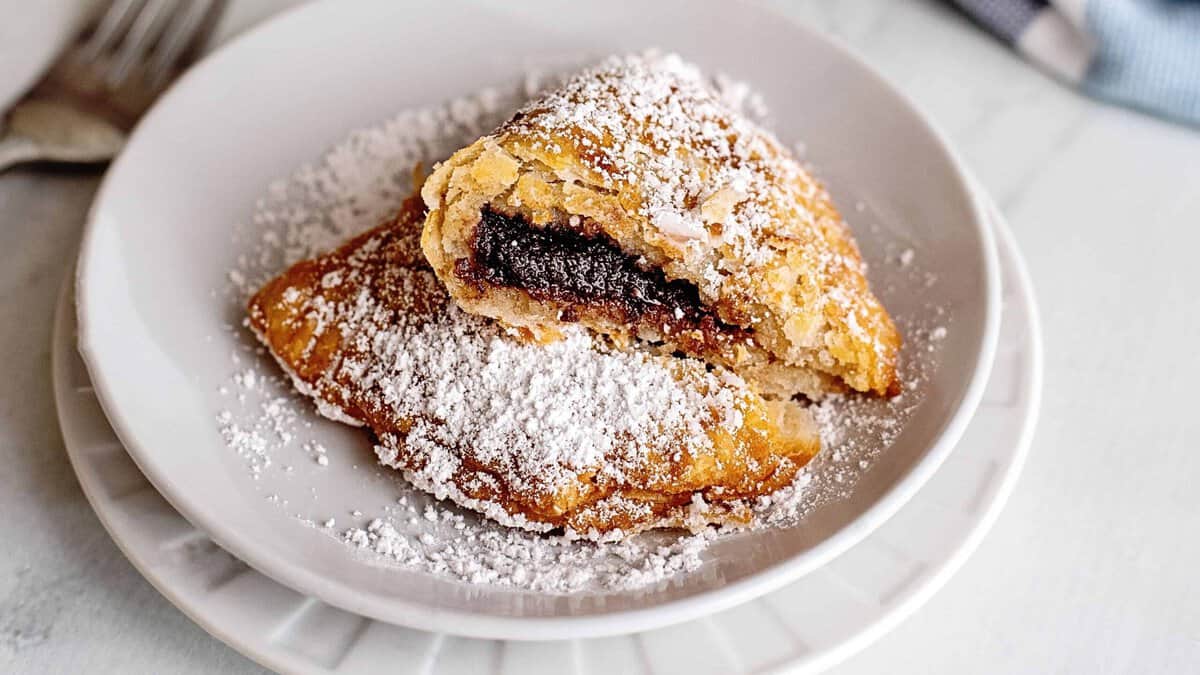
(98,89)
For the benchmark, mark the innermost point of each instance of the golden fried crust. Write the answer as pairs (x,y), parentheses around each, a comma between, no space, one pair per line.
(642,153)
(324,320)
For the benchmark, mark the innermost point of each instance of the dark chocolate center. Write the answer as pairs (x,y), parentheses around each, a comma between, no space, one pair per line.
(559,264)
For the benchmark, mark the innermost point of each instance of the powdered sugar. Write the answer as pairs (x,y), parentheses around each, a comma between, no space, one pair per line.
(452,544)
(455,401)
(254,439)
(317,452)
(352,188)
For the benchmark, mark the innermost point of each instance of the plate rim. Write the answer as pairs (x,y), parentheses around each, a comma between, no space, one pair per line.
(917,597)
(461,622)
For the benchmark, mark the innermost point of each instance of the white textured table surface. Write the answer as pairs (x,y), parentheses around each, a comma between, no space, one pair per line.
(1090,569)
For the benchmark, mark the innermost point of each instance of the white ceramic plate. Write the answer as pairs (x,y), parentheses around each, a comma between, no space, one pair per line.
(158,243)
(31,35)
(814,622)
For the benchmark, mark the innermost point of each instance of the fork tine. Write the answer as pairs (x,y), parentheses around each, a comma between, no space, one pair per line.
(178,36)
(111,28)
(145,30)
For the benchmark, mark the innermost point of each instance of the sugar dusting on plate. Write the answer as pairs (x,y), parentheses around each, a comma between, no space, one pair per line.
(352,188)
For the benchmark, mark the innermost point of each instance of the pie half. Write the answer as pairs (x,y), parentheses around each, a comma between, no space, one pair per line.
(577,435)
(633,201)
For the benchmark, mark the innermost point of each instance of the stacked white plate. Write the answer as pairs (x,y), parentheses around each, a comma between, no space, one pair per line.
(138,417)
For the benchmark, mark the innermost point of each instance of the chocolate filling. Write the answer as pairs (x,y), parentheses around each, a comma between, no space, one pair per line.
(562,265)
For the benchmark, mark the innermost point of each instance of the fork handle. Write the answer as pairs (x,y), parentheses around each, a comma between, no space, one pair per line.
(16,149)
(53,131)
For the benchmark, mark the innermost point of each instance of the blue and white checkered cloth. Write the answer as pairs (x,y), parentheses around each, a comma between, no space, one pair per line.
(1140,53)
